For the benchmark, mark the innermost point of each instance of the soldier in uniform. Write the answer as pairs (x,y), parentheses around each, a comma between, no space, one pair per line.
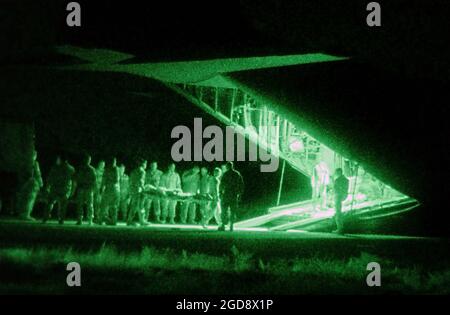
(190,183)
(99,171)
(340,194)
(214,191)
(231,189)
(205,190)
(59,188)
(30,189)
(124,192)
(85,185)
(153,178)
(110,194)
(170,180)
(137,183)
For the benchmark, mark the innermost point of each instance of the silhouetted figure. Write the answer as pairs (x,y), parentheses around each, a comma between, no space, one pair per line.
(231,189)
(170,181)
(340,194)
(59,189)
(215,194)
(124,192)
(153,178)
(99,171)
(137,182)
(190,182)
(85,182)
(30,189)
(205,191)
(110,193)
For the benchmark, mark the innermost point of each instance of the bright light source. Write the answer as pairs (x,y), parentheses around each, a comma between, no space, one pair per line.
(296,145)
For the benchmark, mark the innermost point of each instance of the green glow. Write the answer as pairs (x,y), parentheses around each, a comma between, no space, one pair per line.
(100,56)
(186,77)
(185,71)
(195,71)
(164,271)
(296,146)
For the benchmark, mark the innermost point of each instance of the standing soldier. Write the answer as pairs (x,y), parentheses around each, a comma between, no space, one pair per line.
(85,185)
(231,189)
(153,178)
(124,192)
(137,183)
(59,188)
(30,189)
(214,191)
(340,194)
(319,182)
(99,171)
(190,181)
(110,194)
(170,181)
(205,191)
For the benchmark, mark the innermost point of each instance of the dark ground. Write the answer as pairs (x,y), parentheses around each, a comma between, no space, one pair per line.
(264,244)
(160,260)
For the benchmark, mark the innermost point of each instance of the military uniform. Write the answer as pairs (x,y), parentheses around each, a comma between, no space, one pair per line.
(214,183)
(99,171)
(137,182)
(29,191)
(86,180)
(153,177)
(172,181)
(110,195)
(124,195)
(59,190)
(231,188)
(205,206)
(191,183)
(340,194)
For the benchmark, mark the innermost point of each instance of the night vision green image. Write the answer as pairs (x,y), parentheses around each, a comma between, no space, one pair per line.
(162,150)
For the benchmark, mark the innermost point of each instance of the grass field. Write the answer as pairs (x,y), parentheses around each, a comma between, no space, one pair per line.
(164,271)
(190,260)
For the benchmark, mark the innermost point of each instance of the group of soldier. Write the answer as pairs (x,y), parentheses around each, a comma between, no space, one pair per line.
(105,194)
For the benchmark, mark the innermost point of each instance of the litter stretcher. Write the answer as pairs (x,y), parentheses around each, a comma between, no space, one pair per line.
(176,194)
